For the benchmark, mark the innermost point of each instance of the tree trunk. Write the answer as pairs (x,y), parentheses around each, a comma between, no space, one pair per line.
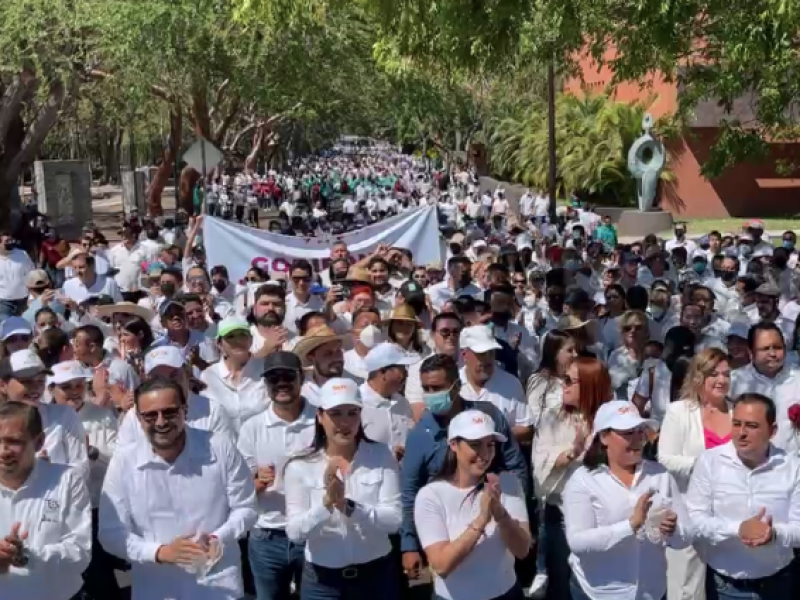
(189,178)
(168,158)
(251,162)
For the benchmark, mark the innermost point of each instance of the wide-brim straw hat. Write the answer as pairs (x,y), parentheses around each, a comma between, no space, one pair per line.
(358,276)
(570,322)
(402,313)
(126,308)
(316,337)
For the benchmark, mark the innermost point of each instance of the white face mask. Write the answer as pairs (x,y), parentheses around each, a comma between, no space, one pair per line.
(530,301)
(371,336)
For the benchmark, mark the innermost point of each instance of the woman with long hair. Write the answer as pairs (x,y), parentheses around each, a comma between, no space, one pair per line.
(544,387)
(403,328)
(135,338)
(625,363)
(620,512)
(559,443)
(699,421)
(472,523)
(343,501)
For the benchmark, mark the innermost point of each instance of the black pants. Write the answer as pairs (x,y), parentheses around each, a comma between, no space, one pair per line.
(99,581)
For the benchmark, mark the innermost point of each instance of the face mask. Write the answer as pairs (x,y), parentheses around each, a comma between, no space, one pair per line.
(220,286)
(788,245)
(168,289)
(576,235)
(9,246)
(371,336)
(530,301)
(728,276)
(699,267)
(657,311)
(438,403)
(745,250)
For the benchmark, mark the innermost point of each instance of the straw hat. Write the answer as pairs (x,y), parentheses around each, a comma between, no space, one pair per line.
(404,312)
(125,308)
(567,322)
(315,338)
(358,276)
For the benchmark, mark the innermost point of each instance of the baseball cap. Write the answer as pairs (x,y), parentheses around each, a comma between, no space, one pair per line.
(473,425)
(15,326)
(169,356)
(411,289)
(69,370)
(617,414)
(37,278)
(22,364)
(230,325)
(477,338)
(768,289)
(168,304)
(385,355)
(755,224)
(339,392)
(282,361)
(739,329)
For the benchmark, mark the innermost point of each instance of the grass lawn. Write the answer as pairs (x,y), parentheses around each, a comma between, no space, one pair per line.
(699,227)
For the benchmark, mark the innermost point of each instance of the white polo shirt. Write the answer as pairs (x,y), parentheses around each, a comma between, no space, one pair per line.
(241,400)
(14,268)
(332,539)
(54,509)
(505,392)
(267,440)
(385,420)
(75,289)
(64,437)
(443,512)
(295,309)
(148,502)
(723,492)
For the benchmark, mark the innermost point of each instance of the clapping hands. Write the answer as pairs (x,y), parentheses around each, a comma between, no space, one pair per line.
(757,530)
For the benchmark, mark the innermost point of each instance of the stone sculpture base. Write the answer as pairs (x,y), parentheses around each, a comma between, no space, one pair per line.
(636,223)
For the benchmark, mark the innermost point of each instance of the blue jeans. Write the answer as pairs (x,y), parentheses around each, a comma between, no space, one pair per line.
(275,561)
(775,587)
(552,553)
(379,578)
(576,591)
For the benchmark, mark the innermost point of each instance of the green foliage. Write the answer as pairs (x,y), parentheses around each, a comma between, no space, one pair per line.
(593,136)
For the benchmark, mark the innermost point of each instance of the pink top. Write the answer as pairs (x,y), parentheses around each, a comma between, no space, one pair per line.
(713,440)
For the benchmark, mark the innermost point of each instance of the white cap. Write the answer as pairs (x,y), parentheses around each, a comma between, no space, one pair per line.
(69,370)
(385,355)
(15,326)
(165,355)
(22,364)
(339,392)
(473,425)
(478,338)
(739,329)
(617,414)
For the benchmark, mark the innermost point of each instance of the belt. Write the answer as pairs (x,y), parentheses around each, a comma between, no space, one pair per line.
(755,583)
(281,533)
(351,571)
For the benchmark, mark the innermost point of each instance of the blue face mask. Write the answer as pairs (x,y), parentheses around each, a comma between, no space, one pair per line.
(438,403)
(699,267)
(788,245)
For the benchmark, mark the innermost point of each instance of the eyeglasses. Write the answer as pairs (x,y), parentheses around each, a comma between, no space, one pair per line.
(168,414)
(276,377)
(448,332)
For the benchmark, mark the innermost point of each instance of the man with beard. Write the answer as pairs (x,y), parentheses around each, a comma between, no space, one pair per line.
(185,552)
(321,348)
(45,517)
(481,380)
(269,310)
(767,301)
(458,283)
(266,441)
(23,379)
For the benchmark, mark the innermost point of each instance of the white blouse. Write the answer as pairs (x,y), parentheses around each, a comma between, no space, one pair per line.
(556,433)
(332,539)
(443,512)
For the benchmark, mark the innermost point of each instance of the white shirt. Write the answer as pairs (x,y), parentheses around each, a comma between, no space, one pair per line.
(332,539)
(784,389)
(53,508)
(103,286)
(349,206)
(64,437)
(499,206)
(541,206)
(443,512)
(241,400)
(14,268)
(505,392)
(127,262)
(148,502)
(555,432)
(441,293)
(685,243)
(526,205)
(100,426)
(681,440)
(385,420)
(658,396)
(608,559)
(267,440)
(354,363)
(295,309)
(201,413)
(723,492)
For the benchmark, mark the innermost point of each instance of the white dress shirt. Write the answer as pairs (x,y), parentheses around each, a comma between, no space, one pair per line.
(102,286)
(385,420)
(64,437)
(443,512)
(608,559)
(723,492)
(201,413)
(295,309)
(54,509)
(332,539)
(267,440)
(505,392)
(784,389)
(440,293)
(100,426)
(14,269)
(148,502)
(354,363)
(656,371)
(241,400)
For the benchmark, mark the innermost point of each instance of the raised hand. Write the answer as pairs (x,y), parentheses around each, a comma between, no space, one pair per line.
(641,509)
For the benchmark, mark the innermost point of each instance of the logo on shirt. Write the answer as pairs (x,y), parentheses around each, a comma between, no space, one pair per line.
(626,410)
(51,512)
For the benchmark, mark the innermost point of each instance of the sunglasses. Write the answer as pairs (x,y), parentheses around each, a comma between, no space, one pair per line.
(446,333)
(168,414)
(276,377)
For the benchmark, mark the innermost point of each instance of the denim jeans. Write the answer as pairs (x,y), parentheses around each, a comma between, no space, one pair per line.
(576,591)
(275,561)
(775,587)
(379,578)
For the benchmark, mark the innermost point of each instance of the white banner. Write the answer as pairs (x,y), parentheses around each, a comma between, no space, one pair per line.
(239,247)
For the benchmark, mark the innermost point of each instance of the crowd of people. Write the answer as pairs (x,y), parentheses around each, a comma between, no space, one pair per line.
(549,413)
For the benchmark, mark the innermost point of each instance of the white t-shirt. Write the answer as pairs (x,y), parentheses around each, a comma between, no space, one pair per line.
(499,206)
(540,206)
(442,512)
(14,268)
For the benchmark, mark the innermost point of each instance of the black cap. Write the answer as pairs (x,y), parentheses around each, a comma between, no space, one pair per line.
(507,249)
(411,290)
(166,305)
(282,361)
(577,297)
